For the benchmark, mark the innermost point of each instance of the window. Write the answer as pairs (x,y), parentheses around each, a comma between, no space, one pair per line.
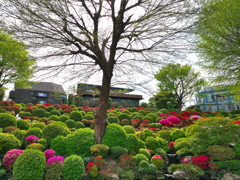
(42,102)
(41,94)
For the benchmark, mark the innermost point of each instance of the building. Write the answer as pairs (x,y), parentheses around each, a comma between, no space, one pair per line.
(40,93)
(90,92)
(215,99)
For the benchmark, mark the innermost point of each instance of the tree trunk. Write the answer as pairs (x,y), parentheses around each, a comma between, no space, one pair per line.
(101,113)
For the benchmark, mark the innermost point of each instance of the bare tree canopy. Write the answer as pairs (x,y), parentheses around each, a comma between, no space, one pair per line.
(116,37)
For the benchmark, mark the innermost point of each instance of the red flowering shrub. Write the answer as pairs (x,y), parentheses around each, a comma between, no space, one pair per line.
(165,122)
(92,169)
(29,109)
(47,104)
(67,110)
(10,157)
(173,120)
(236,122)
(200,161)
(135,122)
(171,145)
(57,106)
(9,129)
(206,112)
(158,161)
(174,113)
(164,115)
(195,117)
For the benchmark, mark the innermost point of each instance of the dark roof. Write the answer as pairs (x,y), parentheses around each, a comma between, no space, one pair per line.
(45,86)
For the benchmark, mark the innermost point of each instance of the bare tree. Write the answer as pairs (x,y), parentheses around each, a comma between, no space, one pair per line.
(114,37)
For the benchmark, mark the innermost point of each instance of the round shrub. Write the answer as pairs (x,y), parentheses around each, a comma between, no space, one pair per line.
(221,153)
(70,123)
(132,143)
(114,136)
(147,133)
(7,119)
(76,116)
(145,152)
(53,130)
(47,114)
(117,151)
(27,114)
(79,125)
(36,146)
(122,116)
(29,164)
(55,112)
(113,119)
(156,125)
(10,158)
(177,133)
(224,113)
(99,150)
(153,116)
(164,111)
(34,131)
(53,117)
(145,167)
(39,112)
(236,111)
(142,144)
(89,117)
(158,161)
(38,125)
(19,134)
(154,143)
(161,152)
(139,157)
(22,124)
(9,129)
(138,116)
(165,134)
(143,112)
(63,118)
(43,142)
(50,108)
(73,168)
(129,129)
(59,145)
(80,142)
(8,142)
(149,118)
(126,111)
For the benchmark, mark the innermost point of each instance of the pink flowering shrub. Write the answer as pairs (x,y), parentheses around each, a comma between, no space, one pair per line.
(92,169)
(171,145)
(201,161)
(49,153)
(173,120)
(54,167)
(195,117)
(31,139)
(165,122)
(10,157)
(158,161)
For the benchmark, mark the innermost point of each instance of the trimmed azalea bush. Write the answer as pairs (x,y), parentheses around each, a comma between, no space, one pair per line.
(80,142)
(176,134)
(140,157)
(54,167)
(113,119)
(10,158)
(122,116)
(117,151)
(73,167)
(55,112)
(161,152)
(34,131)
(132,143)
(58,144)
(38,125)
(114,136)
(79,125)
(154,143)
(99,150)
(232,166)
(89,117)
(31,163)
(23,124)
(19,134)
(36,146)
(165,134)
(144,167)
(129,129)
(7,119)
(76,116)
(158,161)
(221,153)
(145,152)
(43,142)
(39,112)
(31,139)
(63,118)
(147,133)
(8,142)
(70,123)
(53,117)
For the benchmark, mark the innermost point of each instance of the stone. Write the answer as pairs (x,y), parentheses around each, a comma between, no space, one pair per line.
(230,176)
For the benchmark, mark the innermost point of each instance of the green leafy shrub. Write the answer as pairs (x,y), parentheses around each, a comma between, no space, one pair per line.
(19,134)
(161,152)
(149,118)
(76,116)
(34,131)
(99,150)
(236,111)
(224,113)
(70,123)
(145,167)
(152,115)
(79,125)
(47,114)
(8,142)
(80,142)
(89,117)
(50,108)
(38,125)
(36,146)
(53,117)
(129,129)
(154,143)
(145,152)
(164,111)
(156,125)
(113,119)
(147,133)
(114,136)
(221,153)
(142,144)
(73,168)
(140,157)
(43,142)
(63,118)
(53,130)
(177,133)
(232,166)
(236,149)
(29,164)
(27,114)
(58,144)
(189,171)
(132,143)
(22,124)
(143,112)
(117,151)
(126,112)
(39,112)
(122,116)
(7,119)
(55,112)
(138,116)
(165,134)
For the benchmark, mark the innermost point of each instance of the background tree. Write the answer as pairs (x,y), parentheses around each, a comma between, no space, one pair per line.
(181,81)
(218,41)
(111,39)
(165,100)
(16,66)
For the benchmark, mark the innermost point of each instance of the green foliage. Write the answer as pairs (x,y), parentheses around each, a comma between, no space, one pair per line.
(80,142)
(58,144)
(70,123)
(113,119)
(163,111)
(140,157)
(53,130)
(145,167)
(176,134)
(114,136)
(36,146)
(154,143)
(39,112)
(149,118)
(236,149)
(99,150)
(76,116)
(34,131)
(224,113)
(73,168)
(236,111)
(53,117)
(145,152)
(122,116)
(39,125)
(29,165)
(55,112)
(189,171)
(132,143)
(43,142)
(79,125)
(89,117)
(117,151)
(138,116)
(165,134)
(142,144)
(7,119)
(129,129)
(19,134)
(156,125)
(22,124)
(221,153)
(63,118)
(8,142)
(50,108)
(143,112)
(161,152)
(147,133)
(232,166)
